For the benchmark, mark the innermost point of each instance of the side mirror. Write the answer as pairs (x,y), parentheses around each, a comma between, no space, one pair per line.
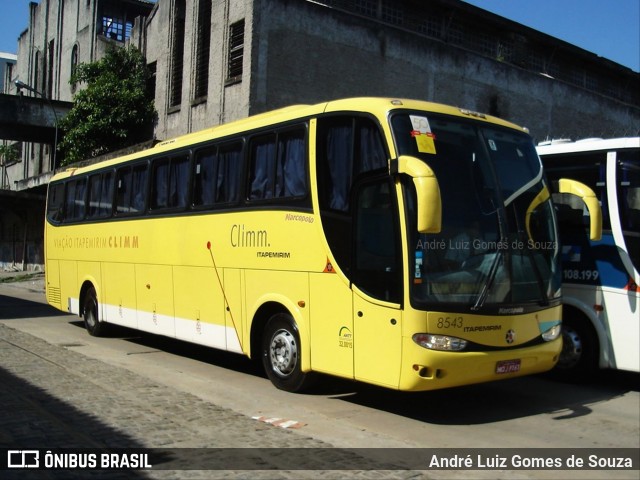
(543,196)
(573,187)
(429,202)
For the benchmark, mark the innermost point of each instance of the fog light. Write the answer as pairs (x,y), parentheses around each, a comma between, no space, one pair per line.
(552,333)
(440,342)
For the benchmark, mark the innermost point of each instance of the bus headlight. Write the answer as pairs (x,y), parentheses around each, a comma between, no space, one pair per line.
(552,333)
(439,342)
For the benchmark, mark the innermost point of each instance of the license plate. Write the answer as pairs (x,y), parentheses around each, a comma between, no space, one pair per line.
(508,366)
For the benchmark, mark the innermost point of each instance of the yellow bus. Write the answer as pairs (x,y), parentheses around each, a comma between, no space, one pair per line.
(401,243)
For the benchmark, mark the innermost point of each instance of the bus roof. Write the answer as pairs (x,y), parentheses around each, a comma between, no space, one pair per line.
(378,106)
(555,147)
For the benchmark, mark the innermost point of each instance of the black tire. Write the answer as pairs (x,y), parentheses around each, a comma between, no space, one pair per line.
(92,321)
(281,354)
(580,350)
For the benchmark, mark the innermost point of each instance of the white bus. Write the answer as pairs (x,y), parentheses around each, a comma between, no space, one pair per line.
(601,315)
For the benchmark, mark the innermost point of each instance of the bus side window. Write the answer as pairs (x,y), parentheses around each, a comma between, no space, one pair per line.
(206,166)
(75,200)
(278,165)
(131,184)
(229,173)
(291,179)
(123,182)
(348,147)
(170,183)
(106,195)
(55,203)
(263,167)
(139,186)
(217,175)
(100,195)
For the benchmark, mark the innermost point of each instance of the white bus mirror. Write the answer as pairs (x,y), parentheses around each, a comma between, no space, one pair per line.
(573,187)
(429,202)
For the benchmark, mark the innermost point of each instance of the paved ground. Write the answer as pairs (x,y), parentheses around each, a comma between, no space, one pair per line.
(52,397)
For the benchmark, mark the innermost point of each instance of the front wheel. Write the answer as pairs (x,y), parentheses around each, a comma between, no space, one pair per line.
(92,322)
(281,352)
(579,357)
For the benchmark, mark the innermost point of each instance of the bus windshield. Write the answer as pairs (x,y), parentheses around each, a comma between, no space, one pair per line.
(628,190)
(498,248)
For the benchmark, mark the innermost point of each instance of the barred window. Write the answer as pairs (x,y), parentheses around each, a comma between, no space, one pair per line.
(177,54)
(202,49)
(236,52)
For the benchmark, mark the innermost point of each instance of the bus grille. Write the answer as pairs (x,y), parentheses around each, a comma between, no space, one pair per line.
(53,295)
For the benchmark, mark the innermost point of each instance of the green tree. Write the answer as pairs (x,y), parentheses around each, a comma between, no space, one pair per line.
(8,154)
(114,111)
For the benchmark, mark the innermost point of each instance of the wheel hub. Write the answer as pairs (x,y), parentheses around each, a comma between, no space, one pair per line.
(283,352)
(571,348)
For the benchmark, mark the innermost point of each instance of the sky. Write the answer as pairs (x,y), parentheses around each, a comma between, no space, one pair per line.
(609,28)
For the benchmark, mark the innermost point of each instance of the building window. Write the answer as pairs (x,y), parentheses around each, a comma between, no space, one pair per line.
(74,64)
(202,49)
(236,52)
(177,54)
(50,69)
(36,71)
(116,28)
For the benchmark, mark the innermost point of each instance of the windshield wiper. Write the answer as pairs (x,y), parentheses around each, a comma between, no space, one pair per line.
(484,293)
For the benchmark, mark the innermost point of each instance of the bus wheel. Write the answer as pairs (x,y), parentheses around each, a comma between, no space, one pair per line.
(281,354)
(579,357)
(92,323)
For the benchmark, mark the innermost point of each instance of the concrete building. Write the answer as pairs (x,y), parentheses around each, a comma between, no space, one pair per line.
(7,63)
(60,34)
(219,60)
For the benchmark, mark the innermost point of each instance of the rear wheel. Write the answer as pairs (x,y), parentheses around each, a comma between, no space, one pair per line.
(281,354)
(92,322)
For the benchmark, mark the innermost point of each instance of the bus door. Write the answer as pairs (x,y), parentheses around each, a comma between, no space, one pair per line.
(377,284)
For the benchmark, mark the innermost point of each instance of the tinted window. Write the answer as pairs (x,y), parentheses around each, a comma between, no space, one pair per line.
(217,175)
(55,202)
(100,195)
(131,189)
(75,200)
(278,166)
(347,148)
(170,182)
